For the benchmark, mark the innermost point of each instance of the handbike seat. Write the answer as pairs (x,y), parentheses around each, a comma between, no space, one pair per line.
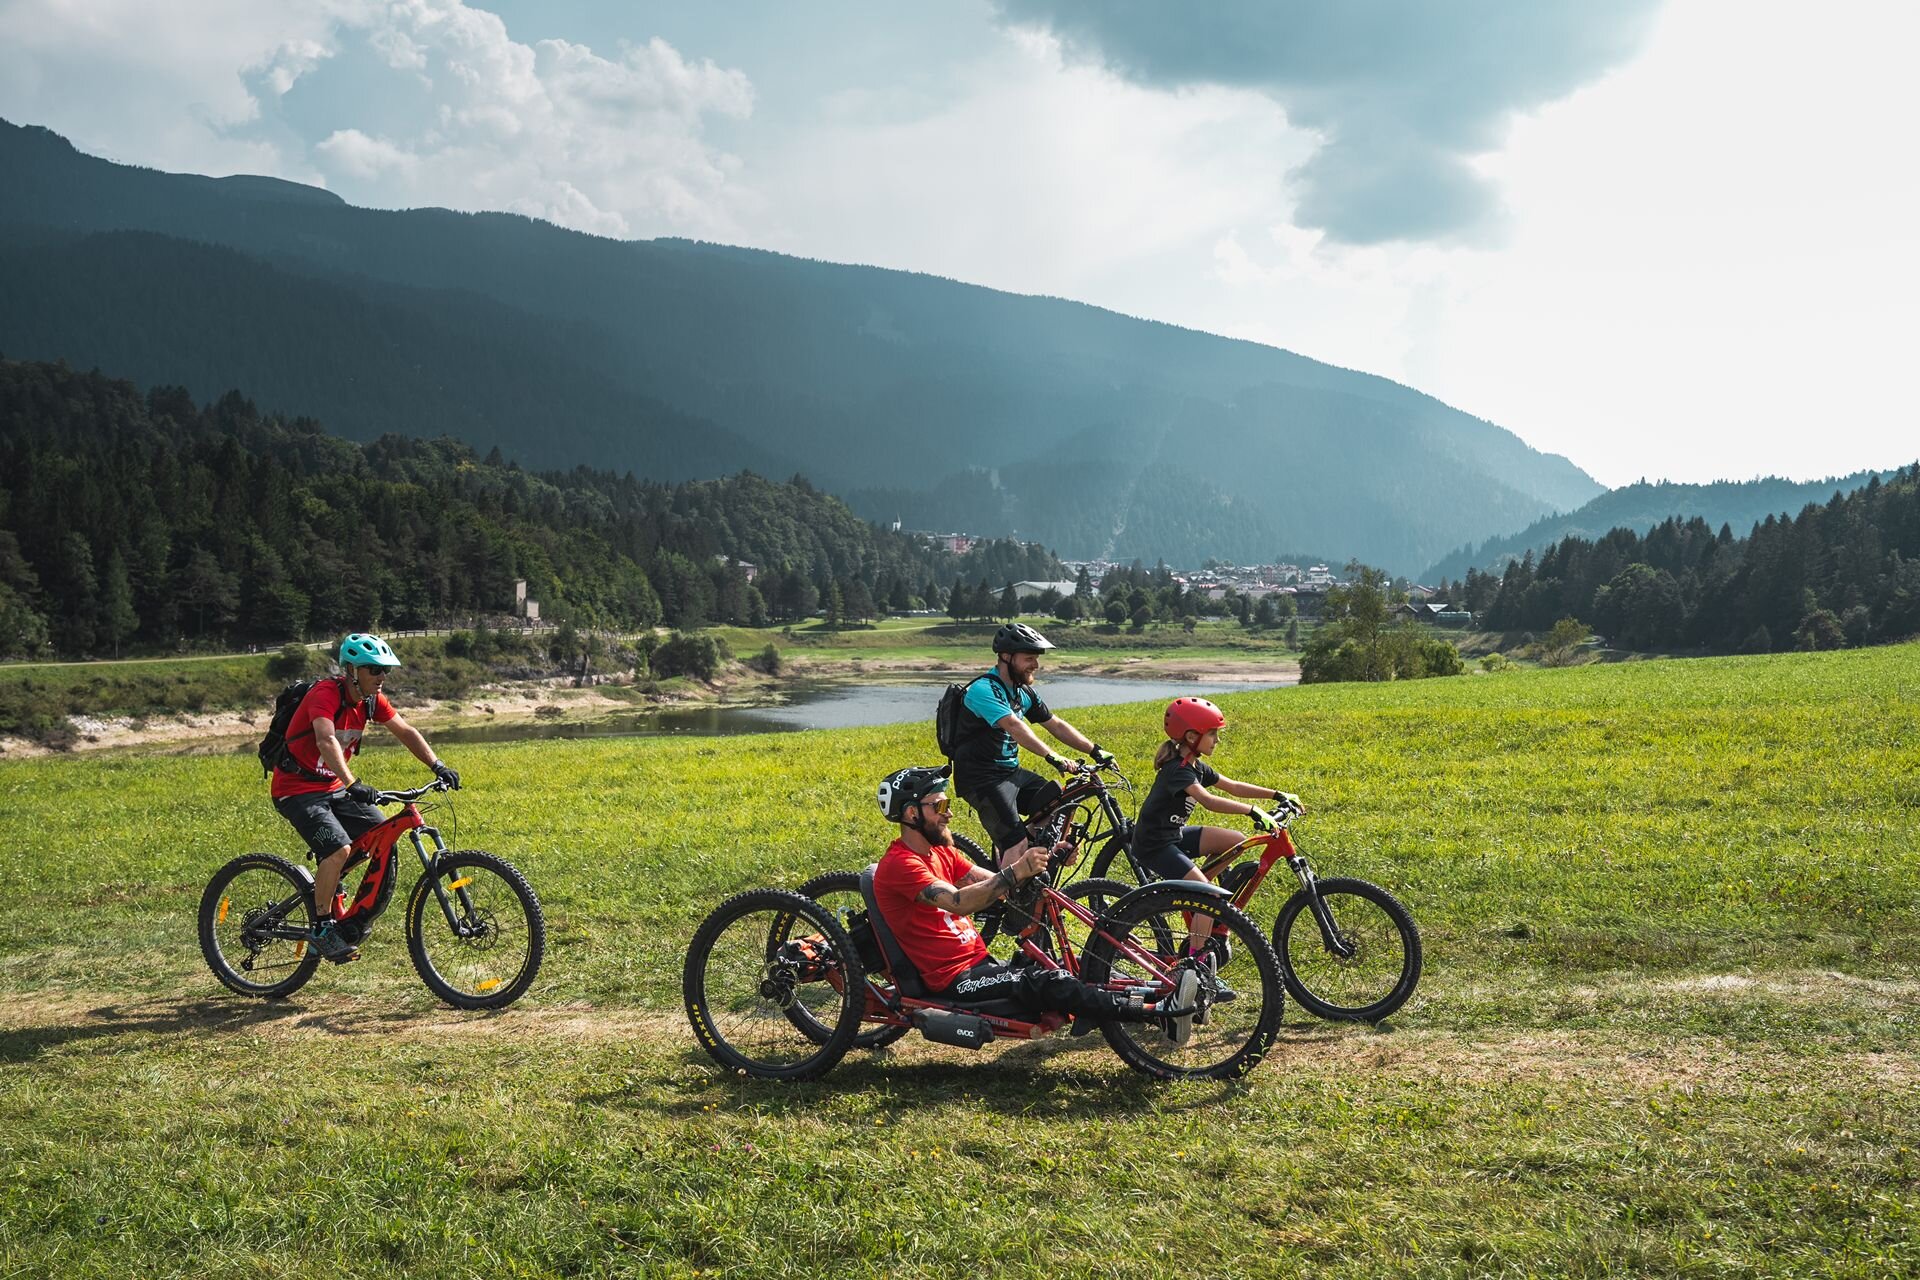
(907,979)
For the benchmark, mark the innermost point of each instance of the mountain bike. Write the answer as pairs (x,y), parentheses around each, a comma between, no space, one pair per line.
(474,927)
(1086,813)
(778,985)
(1349,950)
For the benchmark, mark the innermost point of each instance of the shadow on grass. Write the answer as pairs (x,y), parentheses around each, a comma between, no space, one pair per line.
(149,1017)
(169,1016)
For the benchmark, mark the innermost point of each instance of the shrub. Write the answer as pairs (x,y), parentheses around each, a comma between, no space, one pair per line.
(698,655)
(291,663)
(767,660)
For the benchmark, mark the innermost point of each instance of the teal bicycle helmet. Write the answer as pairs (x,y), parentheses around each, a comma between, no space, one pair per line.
(363,650)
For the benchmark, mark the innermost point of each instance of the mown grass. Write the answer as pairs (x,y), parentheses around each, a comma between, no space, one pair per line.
(1666,1025)
(964,644)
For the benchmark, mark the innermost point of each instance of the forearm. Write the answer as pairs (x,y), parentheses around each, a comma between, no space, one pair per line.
(411,739)
(333,757)
(1027,738)
(978,892)
(1069,735)
(1248,790)
(1220,804)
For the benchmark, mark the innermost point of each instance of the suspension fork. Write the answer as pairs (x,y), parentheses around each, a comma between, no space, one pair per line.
(429,867)
(1310,885)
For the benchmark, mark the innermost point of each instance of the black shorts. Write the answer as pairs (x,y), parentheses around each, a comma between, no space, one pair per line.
(1003,802)
(327,820)
(1035,989)
(1173,860)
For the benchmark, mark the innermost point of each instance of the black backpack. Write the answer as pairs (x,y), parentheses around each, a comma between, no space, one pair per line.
(953,724)
(273,748)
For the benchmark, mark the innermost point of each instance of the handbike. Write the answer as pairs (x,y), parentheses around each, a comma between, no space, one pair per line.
(478,946)
(779,985)
(1349,950)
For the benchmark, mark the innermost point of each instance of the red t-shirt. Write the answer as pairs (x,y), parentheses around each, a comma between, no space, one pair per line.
(942,946)
(323,700)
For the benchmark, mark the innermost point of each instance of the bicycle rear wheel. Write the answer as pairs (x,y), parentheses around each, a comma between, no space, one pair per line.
(254,919)
(1374,963)
(760,957)
(487,955)
(1240,1005)
(839,892)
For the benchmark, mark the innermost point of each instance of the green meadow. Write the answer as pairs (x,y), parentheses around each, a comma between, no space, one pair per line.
(1667,1024)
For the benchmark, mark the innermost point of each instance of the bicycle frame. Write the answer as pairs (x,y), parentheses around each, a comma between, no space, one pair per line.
(1277,846)
(376,848)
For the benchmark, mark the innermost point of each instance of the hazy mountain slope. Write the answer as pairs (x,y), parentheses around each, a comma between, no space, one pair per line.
(850,370)
(1738,503)
(370,359)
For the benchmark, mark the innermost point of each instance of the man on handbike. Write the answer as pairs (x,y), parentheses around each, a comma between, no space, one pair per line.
(926,890)
(986,764)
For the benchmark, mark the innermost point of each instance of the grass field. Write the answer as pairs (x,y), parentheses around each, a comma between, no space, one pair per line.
(1667,1024)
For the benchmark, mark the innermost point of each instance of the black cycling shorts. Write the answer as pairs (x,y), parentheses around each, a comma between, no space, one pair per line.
(1173,860)
(1003,802)
(327,820)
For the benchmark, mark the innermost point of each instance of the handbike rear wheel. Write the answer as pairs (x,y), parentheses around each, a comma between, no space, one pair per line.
(1240,1004)
(758,956)
(490,952)
(249,914)
(839,892)
(1381,966)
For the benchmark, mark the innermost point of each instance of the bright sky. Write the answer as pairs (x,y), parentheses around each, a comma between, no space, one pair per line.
(1667,238)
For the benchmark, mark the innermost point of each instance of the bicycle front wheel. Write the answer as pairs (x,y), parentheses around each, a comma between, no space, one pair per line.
(839,892)
(475,931)
(254,920)
(1369,967)
(762,971)
(1239,1012)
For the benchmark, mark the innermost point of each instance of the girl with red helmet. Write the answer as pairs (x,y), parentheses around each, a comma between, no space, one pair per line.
(1163,843)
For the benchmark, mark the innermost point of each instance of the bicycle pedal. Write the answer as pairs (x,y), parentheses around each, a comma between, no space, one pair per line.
(347,958)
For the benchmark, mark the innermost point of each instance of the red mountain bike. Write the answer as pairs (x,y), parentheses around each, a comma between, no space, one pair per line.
(474,927)
(1348,950)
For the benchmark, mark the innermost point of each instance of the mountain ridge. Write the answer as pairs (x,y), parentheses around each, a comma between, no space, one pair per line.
(839,368)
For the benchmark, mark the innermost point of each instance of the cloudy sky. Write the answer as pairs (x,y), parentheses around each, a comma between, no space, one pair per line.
(1667,238)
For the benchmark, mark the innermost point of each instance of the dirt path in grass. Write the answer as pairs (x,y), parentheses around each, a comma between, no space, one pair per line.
(1631,1060)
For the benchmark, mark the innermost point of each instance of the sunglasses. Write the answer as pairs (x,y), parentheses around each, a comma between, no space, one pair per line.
(940,810)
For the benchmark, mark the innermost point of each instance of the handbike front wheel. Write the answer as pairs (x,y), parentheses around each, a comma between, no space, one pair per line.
(1373,964)
(254,919)
(1240,1005)
(839,892)
(486,955)
(763,958)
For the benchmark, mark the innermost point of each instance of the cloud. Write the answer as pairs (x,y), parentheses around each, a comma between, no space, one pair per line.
(1403,96)
(407,102)
(551,129)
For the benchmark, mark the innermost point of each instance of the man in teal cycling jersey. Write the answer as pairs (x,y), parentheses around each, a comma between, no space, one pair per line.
(986,763)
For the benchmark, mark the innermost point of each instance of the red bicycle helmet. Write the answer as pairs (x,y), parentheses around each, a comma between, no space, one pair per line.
(1196,714)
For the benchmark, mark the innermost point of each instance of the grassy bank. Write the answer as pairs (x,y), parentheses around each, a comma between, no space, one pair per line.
(1667,1022)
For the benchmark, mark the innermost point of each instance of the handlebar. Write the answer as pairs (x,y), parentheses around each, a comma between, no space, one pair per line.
(408,797)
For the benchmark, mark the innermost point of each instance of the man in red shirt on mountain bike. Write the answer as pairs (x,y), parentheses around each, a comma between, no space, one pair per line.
(315,789)
(926,888)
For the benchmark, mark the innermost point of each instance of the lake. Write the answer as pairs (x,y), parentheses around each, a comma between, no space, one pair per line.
(837,706)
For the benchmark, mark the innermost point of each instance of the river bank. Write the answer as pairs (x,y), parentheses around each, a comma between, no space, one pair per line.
(499,709)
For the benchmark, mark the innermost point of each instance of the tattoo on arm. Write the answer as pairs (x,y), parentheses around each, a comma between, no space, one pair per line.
(941,895)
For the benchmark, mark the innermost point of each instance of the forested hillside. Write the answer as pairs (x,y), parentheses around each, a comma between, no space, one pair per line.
(1845,572)
(1739,503)
(943,403)
(131,520)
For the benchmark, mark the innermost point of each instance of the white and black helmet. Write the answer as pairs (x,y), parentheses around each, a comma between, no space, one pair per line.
(905,786)
(1018,637)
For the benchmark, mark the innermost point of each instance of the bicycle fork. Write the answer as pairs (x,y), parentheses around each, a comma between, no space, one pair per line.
(462,921)
(1310,885)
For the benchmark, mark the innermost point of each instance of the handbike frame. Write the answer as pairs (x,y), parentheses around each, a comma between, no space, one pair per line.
(1047,913)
